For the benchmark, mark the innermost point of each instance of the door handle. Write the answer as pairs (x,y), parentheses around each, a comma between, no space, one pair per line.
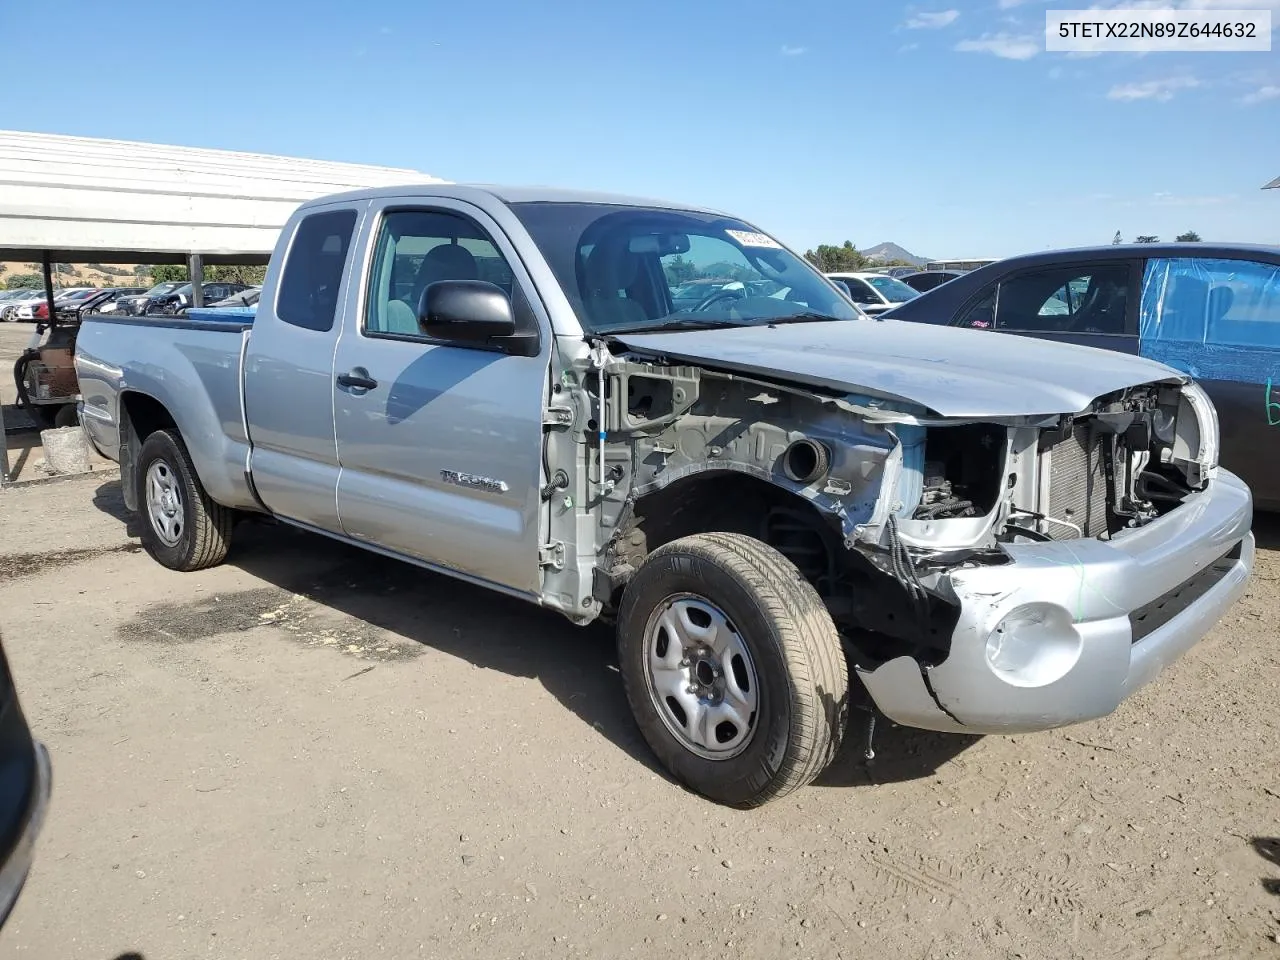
(357,378)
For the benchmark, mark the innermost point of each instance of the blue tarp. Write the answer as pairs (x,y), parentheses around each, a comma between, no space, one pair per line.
(226,314)
(1213,319)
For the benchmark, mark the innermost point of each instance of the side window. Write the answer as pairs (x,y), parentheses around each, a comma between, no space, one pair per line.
(418,247)
(308,294)
(860,291)
(1087,298)
(982,314)
(1226,302)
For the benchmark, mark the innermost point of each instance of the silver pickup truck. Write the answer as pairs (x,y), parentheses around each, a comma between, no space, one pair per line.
(764,490)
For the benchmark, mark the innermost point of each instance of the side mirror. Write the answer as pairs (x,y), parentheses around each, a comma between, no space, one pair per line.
(465,310)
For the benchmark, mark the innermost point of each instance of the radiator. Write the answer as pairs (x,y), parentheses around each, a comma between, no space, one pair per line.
(1078,484)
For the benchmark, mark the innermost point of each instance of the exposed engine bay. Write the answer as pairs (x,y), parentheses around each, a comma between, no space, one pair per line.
(873,500)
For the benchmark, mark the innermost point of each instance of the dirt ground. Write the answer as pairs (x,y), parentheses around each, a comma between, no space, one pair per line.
(311,752)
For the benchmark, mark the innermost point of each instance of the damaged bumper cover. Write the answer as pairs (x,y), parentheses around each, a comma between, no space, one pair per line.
(1067,630)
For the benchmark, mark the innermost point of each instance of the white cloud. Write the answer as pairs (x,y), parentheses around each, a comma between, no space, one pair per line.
(1262,94)
(788,51)
(908,47)
(1161,90)
(932,21)
(1007,46)
(1174,200)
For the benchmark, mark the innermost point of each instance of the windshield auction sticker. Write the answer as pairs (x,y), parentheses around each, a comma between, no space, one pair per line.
(1158,31)
(746,238)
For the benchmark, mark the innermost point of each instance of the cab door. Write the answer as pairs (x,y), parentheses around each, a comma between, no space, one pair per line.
(288,368)
(439,442)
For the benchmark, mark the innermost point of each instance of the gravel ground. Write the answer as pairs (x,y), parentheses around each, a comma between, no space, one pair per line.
(313,752)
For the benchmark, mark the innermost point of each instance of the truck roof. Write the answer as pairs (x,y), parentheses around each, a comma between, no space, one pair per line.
(505,194)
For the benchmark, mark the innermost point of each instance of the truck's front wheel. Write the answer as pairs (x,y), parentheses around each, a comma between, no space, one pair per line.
(183,528)
(733,668)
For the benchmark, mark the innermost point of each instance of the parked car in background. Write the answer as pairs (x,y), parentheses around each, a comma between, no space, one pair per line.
(11,300)
(926,280)
(12,306)
(135,305)
(874,292)
(175,301)
(36,308)
(1209,310)
(25,783)
(688,295)
(108,300)
(247,297)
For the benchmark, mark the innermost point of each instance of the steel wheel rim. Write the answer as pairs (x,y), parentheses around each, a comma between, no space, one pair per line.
(700,677)
(164,503)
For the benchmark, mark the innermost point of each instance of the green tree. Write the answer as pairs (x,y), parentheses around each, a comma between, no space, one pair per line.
(833,259)
(25,281)
(679,270)
(169,273)
(1147,238)
(1189,237)
(250,276)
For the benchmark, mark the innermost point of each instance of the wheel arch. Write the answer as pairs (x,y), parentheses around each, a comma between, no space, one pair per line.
(725,501)
(140,415)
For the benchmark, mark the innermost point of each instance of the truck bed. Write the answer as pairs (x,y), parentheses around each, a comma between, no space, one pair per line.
(192,367)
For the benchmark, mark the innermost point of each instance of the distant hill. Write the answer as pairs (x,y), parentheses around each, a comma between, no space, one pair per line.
(83,275)
(884,252)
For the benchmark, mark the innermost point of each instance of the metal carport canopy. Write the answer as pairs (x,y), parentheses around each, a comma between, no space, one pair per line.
(85,200)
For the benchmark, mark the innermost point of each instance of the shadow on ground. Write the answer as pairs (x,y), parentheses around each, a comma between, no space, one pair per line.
(901,753)
(1266,528)
(1268,848)
(577,665)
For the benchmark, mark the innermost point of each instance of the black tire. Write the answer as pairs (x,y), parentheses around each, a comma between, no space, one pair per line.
(800,665)
(66,416)
(205,532)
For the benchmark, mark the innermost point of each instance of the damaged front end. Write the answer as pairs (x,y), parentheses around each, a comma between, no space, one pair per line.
(970,563)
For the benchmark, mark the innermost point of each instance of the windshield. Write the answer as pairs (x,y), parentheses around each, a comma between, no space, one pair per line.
(161,288)
(892,289)
(636,268)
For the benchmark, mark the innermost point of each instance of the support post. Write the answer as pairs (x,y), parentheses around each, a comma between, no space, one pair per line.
(195,267)
(48,288)
(4,451)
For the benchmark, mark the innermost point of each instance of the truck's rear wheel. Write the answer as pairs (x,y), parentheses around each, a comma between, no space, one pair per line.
(733,668)
(183,528)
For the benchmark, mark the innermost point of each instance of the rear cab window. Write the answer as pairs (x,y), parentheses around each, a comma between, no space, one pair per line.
(313,269)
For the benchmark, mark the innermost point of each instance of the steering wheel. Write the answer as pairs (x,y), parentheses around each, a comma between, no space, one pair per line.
(717,297)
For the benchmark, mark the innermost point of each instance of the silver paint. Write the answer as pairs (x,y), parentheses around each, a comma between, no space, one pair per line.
(946,370)
(1098,583)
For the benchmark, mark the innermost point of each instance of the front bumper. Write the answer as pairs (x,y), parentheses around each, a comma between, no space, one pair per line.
(1067,630)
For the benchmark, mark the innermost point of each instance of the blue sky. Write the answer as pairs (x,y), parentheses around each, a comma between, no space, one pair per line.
(943,126)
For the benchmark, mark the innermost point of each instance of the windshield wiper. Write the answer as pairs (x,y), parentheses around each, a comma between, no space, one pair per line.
(804,316)
(683,323)
(708,323)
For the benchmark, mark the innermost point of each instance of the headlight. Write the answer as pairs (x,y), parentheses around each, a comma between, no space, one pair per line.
(1034,645)
(1206,415)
